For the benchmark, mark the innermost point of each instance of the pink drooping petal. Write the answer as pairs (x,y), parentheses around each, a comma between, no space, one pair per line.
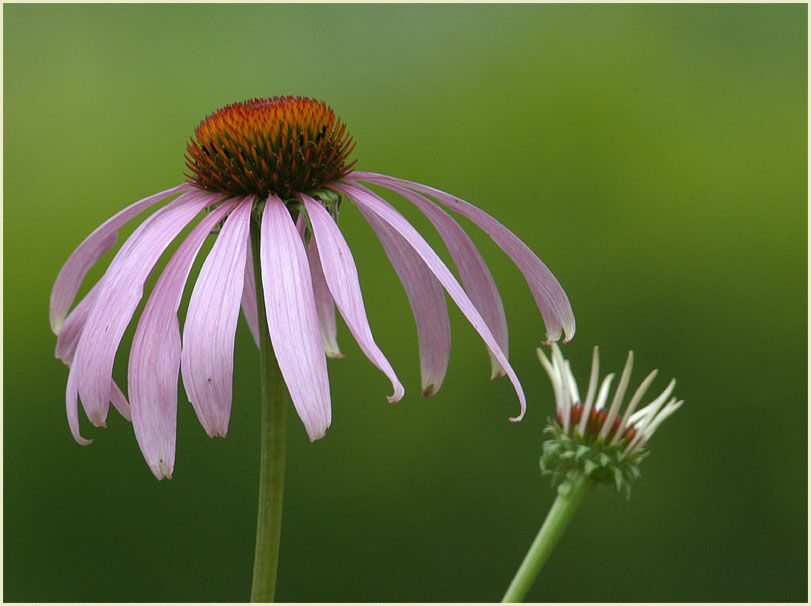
(89,251)
(249,296)
(120,292)
(68,337)
(476,277)
(207,358)
(72,408)
(341,277)
(427,301)
(119,401)
(155,355)
(385,212)
(292,318)
(301,227)
(324,304)
(549,294)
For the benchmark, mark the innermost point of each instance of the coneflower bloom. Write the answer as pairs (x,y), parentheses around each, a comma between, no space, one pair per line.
(281,164)
(590,442)
(592,436)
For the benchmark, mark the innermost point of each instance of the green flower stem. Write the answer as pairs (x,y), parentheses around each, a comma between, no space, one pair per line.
(273,450)
(567,502)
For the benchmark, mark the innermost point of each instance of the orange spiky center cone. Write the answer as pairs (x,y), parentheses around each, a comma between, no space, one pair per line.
(279,145)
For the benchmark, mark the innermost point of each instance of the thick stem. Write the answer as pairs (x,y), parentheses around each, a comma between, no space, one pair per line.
(555,523)
(273,449)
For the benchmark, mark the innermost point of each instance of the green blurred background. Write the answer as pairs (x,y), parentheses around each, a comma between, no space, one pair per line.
(655,158)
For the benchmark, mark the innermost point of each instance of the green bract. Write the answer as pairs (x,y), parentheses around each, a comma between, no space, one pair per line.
(566,457)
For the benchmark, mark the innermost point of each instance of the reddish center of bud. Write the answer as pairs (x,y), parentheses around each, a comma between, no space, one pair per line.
(595,422)
(280,145)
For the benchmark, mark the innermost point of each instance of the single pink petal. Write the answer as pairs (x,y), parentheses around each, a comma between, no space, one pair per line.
(324,303)
(341,276)
(292,318)
(68,337)
(207,358)
(476,277)
(120,292)
(386,213)
(89,251)
(155,355)
(301,227)
(119,401)
(549,295)
(427,300)
(249,295)
(72,407)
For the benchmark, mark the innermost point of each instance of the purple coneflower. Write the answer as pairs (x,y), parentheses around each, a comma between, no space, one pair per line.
(590,442)
(592,422)
(276,170)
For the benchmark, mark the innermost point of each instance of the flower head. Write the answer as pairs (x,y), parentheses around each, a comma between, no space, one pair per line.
(277,168)
(592,437)
(281,145)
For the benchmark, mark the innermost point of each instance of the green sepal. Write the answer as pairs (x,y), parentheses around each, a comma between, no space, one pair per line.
(617,478)
(566,457)
(331,201)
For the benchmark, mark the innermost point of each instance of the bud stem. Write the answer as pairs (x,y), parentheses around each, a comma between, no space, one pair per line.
(570,495)
(272,449)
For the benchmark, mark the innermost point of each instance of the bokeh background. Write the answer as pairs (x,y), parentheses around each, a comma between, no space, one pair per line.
(654,156)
